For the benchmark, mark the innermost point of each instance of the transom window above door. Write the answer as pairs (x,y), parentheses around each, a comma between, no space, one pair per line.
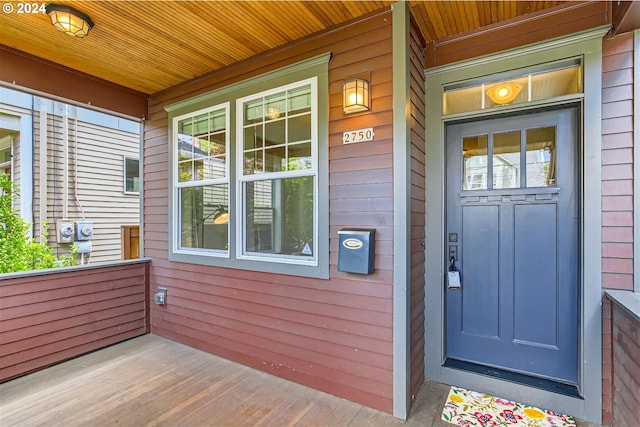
(522,158)
(538,83)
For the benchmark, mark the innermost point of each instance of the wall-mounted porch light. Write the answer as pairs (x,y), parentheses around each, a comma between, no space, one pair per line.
(355,96)
(69,21)
(504,93)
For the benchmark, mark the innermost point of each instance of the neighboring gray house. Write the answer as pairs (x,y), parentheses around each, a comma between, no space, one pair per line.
(74,164)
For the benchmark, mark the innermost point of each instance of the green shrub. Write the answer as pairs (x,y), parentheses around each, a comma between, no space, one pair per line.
(18,251)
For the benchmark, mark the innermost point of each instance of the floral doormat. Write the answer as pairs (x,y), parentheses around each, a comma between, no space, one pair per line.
(469,408)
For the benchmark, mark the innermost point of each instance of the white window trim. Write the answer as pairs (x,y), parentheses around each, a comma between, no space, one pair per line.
(241,178)
(124,172)
(176,185)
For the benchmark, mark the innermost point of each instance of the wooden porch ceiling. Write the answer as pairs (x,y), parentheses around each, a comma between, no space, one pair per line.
(149,46)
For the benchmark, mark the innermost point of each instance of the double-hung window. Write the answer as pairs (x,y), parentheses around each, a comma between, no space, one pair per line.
(277,168)
(249,174)
(201,179)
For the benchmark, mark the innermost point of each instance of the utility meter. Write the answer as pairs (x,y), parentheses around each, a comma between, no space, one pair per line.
(84,230)
(65,230)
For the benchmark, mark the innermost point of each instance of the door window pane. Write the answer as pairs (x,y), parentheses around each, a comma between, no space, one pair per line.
(541,157)
(475,167)
(506,160)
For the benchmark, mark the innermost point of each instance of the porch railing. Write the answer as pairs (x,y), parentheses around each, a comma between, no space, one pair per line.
(50,316)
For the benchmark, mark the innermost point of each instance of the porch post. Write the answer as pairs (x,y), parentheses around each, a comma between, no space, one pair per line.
(401,211)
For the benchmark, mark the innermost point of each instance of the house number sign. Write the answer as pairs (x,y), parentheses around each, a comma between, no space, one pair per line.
(358,135)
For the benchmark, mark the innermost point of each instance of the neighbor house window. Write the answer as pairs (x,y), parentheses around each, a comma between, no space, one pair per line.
(131,175)
(249,165)
(277,173)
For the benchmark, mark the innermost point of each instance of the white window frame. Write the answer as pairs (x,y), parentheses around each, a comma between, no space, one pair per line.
(124,172)
(242,179)
(176,185)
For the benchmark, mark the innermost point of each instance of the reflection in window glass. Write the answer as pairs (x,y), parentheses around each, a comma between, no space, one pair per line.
(271,125)
(506,160)
(203,223)
(541,157)
(474,154)
(556,83)
(202,141)
(279,216)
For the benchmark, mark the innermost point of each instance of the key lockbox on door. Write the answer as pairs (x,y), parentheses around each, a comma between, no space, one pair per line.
(356,250)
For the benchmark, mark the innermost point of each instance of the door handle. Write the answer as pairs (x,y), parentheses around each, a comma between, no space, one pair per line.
(453,252)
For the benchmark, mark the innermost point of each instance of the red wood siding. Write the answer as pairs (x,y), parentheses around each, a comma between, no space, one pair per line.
(334,335)
(51,317)
(607,364)
(418,209)
(564,19)
(621,367)
(617,162)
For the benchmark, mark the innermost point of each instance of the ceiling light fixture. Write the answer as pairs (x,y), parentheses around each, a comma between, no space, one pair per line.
(504,93)
(69,21)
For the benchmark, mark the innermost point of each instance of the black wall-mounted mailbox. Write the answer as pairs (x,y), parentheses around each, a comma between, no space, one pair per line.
(356,250)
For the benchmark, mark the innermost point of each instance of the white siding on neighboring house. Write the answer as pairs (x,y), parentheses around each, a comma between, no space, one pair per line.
(84,150)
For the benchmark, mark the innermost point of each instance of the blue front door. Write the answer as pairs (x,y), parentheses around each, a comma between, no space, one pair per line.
(512,231)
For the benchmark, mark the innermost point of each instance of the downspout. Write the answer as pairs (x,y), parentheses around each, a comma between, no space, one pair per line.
(33,169)
(44,173)
(141,196)
(75,167)
(65,162)
(25,167)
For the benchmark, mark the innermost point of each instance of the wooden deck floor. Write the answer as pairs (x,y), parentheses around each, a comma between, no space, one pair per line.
(150,381)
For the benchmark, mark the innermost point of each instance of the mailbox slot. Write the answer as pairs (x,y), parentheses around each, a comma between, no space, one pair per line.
(356,250)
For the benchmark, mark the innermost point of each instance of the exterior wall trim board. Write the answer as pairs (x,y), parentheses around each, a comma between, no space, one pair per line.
(521,51)
(636,165)
(401,212)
